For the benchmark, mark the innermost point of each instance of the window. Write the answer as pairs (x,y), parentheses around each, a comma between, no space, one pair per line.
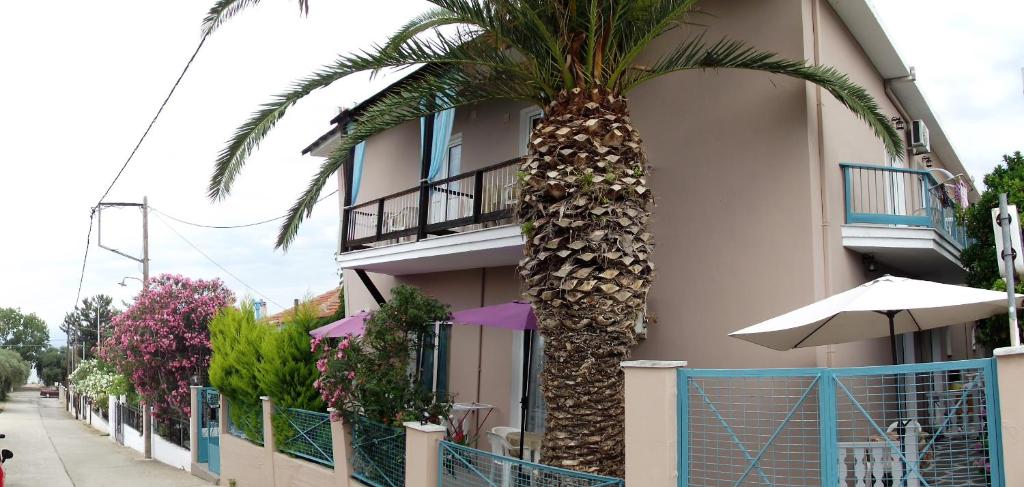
(528,119)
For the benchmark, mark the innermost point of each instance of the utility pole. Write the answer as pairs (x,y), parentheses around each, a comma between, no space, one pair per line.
(147,410)
(1008,257)
(147,419)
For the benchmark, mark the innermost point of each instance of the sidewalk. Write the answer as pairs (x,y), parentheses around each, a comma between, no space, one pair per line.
(52,449)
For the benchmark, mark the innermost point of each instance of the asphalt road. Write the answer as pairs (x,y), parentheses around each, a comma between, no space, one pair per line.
(52,449)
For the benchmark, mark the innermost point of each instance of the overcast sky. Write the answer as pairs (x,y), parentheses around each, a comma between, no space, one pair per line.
(81,80)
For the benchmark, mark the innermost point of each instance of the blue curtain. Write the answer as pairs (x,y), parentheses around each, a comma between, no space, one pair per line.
(442,135)
(357,168)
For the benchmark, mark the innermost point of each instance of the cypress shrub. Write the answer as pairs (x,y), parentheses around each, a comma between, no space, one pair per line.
(237,338)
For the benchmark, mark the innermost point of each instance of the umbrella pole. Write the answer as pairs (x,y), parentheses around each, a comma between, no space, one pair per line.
(524,401)
(901,404)
(892,337)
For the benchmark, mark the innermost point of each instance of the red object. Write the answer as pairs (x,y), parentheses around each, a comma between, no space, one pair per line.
(47,392)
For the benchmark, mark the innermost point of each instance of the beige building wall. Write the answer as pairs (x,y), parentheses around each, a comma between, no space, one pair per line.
(749,202)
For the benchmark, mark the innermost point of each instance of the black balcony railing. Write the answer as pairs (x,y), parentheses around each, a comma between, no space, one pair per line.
(440,207)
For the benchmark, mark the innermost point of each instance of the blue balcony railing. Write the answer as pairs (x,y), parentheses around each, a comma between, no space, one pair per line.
(897,196)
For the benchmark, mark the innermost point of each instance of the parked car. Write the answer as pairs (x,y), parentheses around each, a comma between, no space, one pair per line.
(48,392)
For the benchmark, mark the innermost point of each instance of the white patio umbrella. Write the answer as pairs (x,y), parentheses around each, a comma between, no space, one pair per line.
(886,306)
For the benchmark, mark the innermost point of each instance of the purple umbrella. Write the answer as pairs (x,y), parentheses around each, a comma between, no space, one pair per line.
(517,315)
(353,325)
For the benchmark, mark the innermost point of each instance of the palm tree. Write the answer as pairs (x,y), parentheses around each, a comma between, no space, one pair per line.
(584,205)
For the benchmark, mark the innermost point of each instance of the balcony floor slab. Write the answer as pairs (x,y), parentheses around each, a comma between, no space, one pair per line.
(490,247)
(919,251)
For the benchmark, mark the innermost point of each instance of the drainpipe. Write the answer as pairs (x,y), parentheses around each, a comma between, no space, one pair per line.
(822,173)
(887,84)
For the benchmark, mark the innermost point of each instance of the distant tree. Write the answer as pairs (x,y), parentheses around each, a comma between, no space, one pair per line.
(26,334)
(51,366)
(80,324)
(980,258)
(13,371)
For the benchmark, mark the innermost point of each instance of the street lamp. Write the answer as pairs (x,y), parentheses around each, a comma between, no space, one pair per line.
(122,284)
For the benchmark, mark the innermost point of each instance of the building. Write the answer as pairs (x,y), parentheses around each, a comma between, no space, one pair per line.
(769,195)
(326,305)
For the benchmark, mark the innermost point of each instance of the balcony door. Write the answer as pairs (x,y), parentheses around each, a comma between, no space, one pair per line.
(896,197)
(447,201)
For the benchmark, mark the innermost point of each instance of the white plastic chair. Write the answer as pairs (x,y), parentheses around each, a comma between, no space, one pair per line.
(503,431)
(500,446)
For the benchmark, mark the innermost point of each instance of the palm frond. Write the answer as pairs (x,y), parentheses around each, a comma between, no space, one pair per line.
(639,25)
(440,50)
(427,21)
(730,54)
(224,10)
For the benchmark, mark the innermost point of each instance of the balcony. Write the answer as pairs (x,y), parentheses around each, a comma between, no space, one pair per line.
(904,219)
(461,222)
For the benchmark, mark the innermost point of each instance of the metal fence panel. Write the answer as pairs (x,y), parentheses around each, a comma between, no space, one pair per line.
(461,466)
(923,425)
(378,453)
(305,434)
(752,430)
(917,425)
(246,423)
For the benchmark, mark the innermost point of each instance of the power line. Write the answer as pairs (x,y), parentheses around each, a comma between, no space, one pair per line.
(204,254)
(155,117)
(85,258)
(88,236)
(244,225)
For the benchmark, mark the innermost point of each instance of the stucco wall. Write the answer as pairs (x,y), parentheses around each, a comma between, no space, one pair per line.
(244,462)
(133,439)
(292,471)
(170,454)
(732,222)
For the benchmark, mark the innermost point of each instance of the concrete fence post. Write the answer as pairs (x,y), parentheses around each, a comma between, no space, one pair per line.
(269,445)
(224,415)
(421,445)
(1010,373)
(652,442)
(193,423)
(341,446)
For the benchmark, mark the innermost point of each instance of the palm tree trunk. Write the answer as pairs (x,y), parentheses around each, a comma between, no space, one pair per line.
(585,210)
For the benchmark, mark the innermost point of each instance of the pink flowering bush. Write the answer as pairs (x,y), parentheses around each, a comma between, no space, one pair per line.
(370,375)
(163,339)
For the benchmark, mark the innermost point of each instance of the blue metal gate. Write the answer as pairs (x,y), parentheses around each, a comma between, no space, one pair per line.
(209,429)
(919,425)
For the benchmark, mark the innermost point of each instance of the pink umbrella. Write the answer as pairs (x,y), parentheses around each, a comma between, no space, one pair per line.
(516,315)
(353,325)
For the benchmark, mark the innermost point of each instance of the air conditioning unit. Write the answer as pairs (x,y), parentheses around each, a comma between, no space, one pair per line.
(919,142)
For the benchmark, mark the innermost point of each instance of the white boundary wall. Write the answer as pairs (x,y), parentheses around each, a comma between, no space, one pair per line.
(171,454)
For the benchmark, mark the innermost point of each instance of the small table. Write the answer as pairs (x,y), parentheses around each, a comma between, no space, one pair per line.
(466,409)
(531,446)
